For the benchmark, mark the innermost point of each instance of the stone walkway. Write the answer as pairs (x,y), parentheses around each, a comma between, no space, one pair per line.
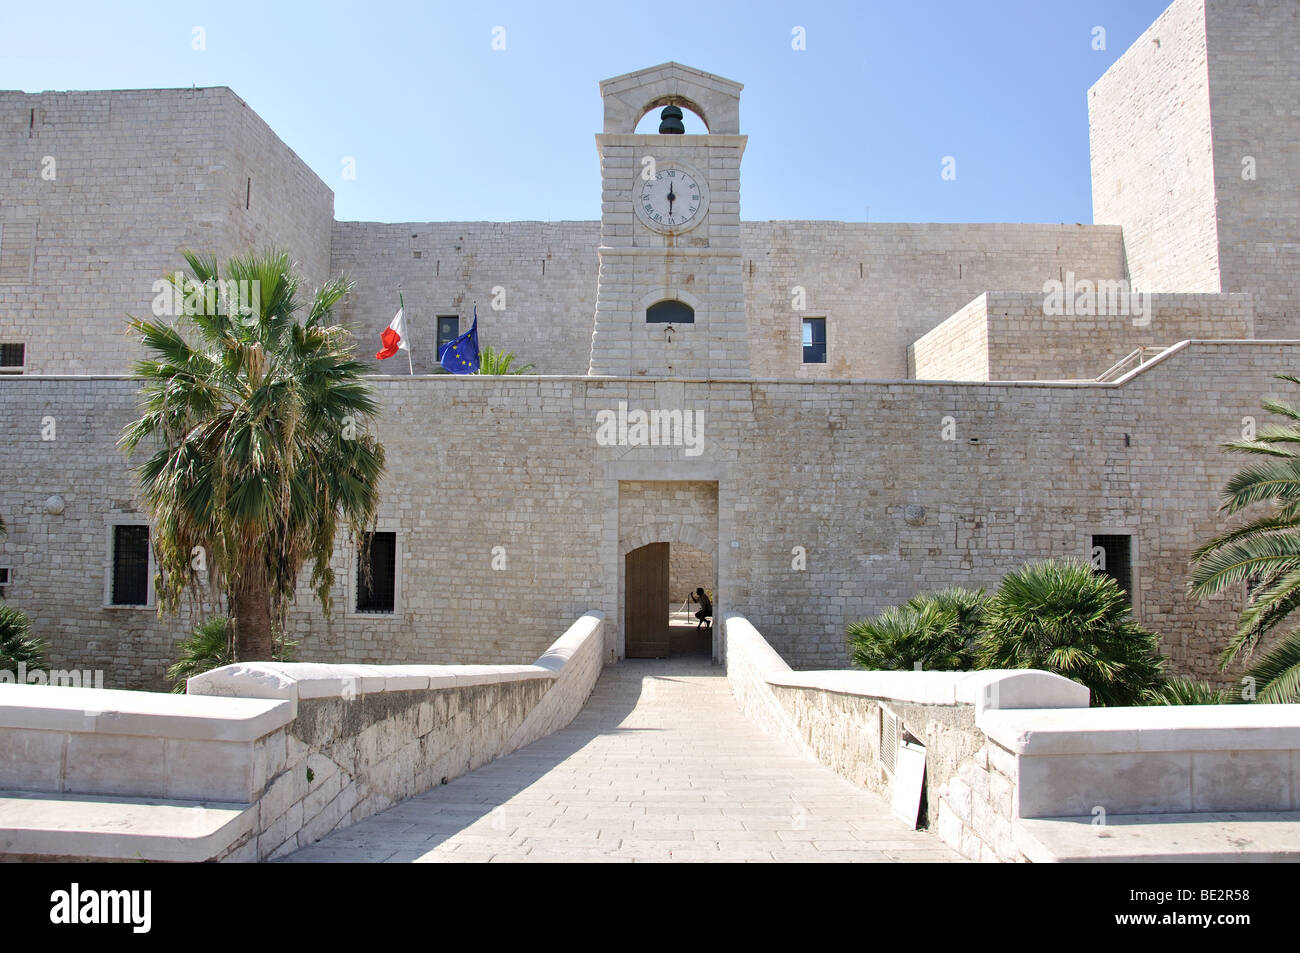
(659,766)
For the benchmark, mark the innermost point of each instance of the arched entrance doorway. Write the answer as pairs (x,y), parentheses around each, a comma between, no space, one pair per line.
(667,548)
(658,614)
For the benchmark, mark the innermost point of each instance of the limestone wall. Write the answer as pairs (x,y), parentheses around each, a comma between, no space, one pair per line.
(1254,75)
(284,203)
(1018,767)
(138,176)
(1010,336)
(1153,162)
(957,350)
(545,273)
(84,249)
(882,286)
(689,568)
(812,483)
(1193,153)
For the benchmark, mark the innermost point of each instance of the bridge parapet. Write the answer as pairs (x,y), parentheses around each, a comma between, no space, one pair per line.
(1019,767)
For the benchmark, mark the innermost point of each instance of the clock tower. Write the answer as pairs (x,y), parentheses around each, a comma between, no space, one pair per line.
(670,297)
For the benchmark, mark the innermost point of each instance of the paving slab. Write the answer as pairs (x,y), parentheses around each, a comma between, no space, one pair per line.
(661,765)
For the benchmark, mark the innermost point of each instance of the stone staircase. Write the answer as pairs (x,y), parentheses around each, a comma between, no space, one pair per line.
(1189,783)
(94,774)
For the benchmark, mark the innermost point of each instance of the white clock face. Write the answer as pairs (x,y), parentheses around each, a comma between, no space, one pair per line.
(671,200)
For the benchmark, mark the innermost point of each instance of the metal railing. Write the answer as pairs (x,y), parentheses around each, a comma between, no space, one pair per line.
(1133,359)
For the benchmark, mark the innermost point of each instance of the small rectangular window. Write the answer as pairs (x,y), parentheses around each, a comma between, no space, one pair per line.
(1112,555)
(448,331)
(814,340)
(12,358)
(130,565)
(377,573)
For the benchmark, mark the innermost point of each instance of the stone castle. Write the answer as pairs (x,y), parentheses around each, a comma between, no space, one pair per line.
(881,408)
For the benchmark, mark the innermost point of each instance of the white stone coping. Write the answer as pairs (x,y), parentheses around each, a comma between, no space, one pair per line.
(760,655)
(152,714)
(986,689)
(567,645)
(300,681)
(1253,727)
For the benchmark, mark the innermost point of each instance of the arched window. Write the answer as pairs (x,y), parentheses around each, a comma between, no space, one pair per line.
(670,312)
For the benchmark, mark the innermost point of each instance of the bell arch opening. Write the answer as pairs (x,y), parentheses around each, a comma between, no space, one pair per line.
(692,116)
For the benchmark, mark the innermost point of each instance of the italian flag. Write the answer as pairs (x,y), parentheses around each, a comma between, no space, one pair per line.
(394,337)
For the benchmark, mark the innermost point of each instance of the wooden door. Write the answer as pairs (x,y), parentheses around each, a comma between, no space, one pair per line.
(645,615)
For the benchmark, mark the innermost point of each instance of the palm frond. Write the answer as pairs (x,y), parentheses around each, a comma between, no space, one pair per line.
(1277,674)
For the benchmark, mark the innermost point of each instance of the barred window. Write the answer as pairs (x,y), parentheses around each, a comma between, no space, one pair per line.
(130,586)
(1112,555)
(377,573)
(12,358)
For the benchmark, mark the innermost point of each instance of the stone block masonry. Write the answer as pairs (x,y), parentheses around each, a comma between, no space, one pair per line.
(1010,336)
(1254,76)
(1193,134)
(830,467)
(1152,158)
(138,176)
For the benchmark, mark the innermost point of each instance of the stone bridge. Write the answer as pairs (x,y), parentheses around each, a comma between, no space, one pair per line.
(654,760)
(660,765)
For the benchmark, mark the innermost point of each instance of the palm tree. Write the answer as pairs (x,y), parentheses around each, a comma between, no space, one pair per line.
(1263,552)
(492,361)
(1061,616)
(254,425)
(933,630)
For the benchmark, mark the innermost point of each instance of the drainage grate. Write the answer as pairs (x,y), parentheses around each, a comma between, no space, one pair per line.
(888,740)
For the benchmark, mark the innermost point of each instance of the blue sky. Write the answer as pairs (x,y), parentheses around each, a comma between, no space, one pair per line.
(443,127)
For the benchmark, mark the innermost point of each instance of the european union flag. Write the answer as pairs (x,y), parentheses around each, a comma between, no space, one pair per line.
(460,355)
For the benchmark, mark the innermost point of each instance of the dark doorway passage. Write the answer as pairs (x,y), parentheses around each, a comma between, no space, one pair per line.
(689,568)
(658,613)
(686,641)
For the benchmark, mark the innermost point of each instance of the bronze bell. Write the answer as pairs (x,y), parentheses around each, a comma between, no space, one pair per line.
(671,122)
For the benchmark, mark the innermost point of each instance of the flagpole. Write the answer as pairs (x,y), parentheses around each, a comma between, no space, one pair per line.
(402,304)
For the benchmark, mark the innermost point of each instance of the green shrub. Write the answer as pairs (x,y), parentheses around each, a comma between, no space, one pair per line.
(209,646)
(1185,691)
(492,361)
(933,630)
(1061,616)
(17,644)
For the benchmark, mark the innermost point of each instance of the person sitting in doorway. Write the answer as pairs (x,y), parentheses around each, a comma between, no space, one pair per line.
(706,608)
